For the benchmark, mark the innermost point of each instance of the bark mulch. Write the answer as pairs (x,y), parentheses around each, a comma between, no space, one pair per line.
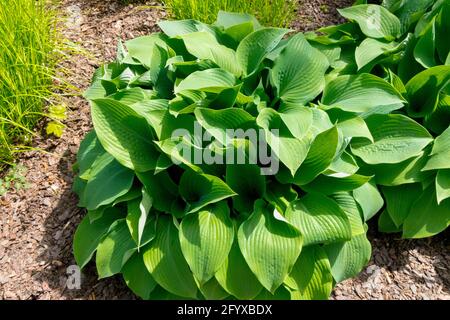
(37,224)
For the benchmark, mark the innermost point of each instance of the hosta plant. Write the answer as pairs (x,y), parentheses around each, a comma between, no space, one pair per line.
(405,43)
(172,208)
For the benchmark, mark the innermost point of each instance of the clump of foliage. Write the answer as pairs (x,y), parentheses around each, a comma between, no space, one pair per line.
(29,46)
(359,110)
(277,13)
(406,43)
(179,228)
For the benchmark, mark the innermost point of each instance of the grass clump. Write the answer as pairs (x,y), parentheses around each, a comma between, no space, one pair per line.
(30,49)
(276,13)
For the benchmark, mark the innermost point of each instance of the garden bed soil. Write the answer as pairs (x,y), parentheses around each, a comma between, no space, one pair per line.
(37,224)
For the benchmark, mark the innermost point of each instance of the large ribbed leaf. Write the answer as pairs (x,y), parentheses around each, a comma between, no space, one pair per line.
(142,228)
(397,138)
(270,246)
(199,190)
(360,93)
(408,171)
(89,234)
(211,80)
(311,274)
(290,150)
(114,250)
(161,188)
(400,199)
(233,271)
(426,218)
(254,48)
(124,134)
(329,184)
(350,207)
(137,277)
(375,21)
(141,48)
(164,259)
(424,88)
(319,158)
(443,185)
(440,154)
(223,124)
(348,258)
(319,219)
(371,49)
(106,171)
(298,72)
(369,199)
(206,238)
(204,45)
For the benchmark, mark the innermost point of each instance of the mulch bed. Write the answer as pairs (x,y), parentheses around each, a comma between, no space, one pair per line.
(37,224)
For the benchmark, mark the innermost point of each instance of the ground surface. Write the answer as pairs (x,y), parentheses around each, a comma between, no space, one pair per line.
(37,225)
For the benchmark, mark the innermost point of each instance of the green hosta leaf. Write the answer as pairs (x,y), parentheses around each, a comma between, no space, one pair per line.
(319,219)
(230,19)
(369,199)
(311,275)
(204,45)
(141,228)
(344,164)
(397,138)
(348,258)
(89,234)
(211,80)
(408,171)
(199,190)
(282,293)
(399,201)
(426,217)
(424,88)
(254,48)
(108,172)
(114,250)
(248,182)
(289,149)
(90,150)
(375,21)
(442,27)
(319,158)
(371,49)
(350,124)
(298,73)
(424,51)
(329,184)
(206,238)
(362,93)
(213,291)
(233,271)
(439,120)
(350,207)
(440,154)
(164,260)
(137,277)
(124,134)
(443,185)
(161,188)
(179,27)
(217,122)
(141,48)
(385,223)
(270,246)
